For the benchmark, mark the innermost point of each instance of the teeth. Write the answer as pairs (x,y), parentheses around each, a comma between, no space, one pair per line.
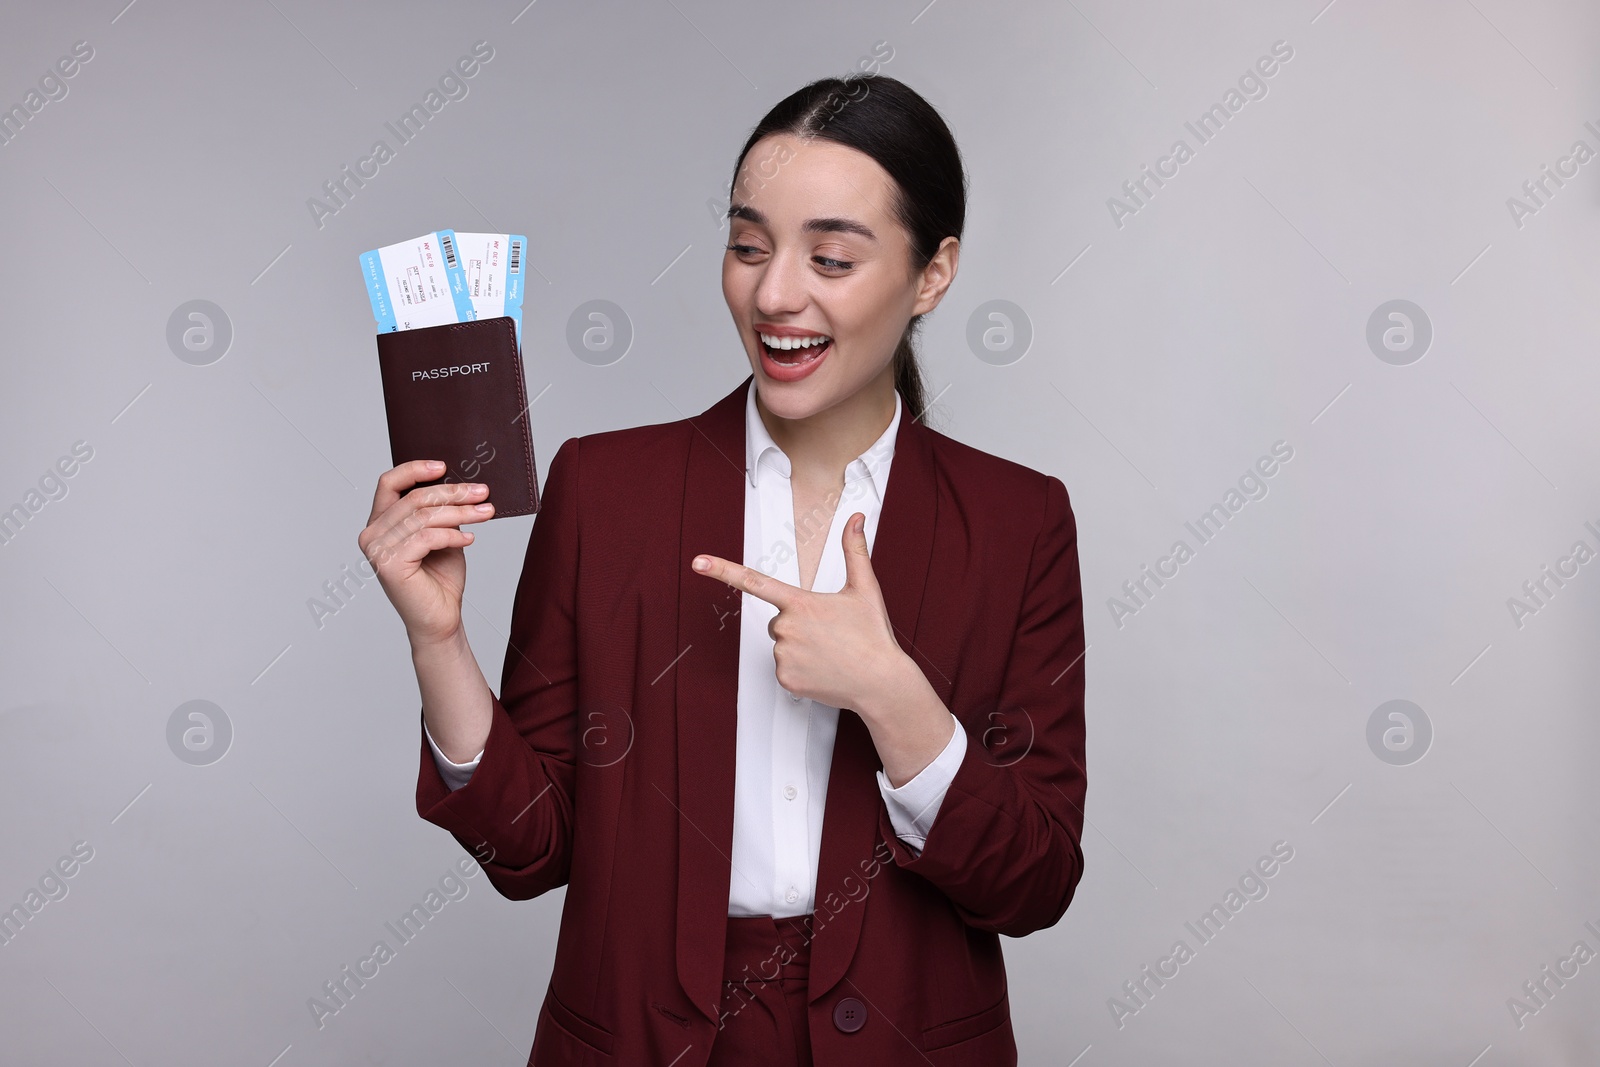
(792,342)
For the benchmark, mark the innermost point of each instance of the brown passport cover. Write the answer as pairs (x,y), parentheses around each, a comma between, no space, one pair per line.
(455,392)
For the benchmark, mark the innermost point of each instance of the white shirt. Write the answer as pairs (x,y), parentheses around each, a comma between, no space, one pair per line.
(784,744)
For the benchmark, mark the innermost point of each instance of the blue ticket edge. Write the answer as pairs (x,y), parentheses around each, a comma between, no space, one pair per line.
(516,266)
(457,274)
(378,288)
(516,263)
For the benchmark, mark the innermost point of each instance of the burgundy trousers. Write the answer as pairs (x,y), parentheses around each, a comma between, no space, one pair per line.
(763,1014)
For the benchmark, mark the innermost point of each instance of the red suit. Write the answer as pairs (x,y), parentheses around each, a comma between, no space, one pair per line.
(609,766)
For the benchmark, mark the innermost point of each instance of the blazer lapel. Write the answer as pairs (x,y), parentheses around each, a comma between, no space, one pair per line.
(902,550)
(706,676)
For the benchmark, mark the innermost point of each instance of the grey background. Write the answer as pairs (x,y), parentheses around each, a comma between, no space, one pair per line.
(1230,312)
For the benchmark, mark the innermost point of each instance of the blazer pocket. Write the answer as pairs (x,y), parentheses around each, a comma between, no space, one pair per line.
(967,1028)
(575,1027)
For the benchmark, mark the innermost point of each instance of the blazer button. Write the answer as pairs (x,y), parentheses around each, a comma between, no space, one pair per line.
(849,1015)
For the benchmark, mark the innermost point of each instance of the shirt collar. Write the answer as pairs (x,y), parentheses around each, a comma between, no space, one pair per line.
(761,451)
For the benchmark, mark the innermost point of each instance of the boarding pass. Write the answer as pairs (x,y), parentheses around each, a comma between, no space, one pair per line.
(493,263)
(446,277)
(417,283)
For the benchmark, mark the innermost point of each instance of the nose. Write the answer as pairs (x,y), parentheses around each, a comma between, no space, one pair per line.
(782,289)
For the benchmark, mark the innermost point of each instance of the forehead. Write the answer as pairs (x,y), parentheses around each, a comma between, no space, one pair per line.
(789,178)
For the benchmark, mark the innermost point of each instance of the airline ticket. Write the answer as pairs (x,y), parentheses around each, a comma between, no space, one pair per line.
(493,264)
(418,283)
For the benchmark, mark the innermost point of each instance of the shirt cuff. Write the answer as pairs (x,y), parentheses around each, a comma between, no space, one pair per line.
(913,806)
(455,775)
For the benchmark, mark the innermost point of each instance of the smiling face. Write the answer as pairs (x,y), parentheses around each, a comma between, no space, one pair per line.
(818,275)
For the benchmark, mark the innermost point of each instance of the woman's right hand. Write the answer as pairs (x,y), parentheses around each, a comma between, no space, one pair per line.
(415,544)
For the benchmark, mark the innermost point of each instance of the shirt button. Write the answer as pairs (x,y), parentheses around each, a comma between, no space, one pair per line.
(790,792)
(796,697)
(792,895)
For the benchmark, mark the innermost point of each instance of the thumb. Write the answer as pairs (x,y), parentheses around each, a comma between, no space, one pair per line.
(857,560)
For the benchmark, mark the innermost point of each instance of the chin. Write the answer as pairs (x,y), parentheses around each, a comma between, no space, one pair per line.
(791,400)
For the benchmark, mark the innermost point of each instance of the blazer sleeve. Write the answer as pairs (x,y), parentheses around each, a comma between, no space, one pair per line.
(1005,847)
(515,812)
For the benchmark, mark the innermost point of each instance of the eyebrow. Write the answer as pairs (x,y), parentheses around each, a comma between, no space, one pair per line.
(831,224)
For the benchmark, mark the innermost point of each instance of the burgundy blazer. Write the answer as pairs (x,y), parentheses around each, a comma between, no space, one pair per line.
(609,762)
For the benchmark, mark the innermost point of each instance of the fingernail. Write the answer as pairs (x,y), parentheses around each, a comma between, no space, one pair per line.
(482,507)
(435,464)
(701,563)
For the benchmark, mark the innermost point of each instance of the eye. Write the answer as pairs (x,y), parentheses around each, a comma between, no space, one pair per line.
(837,265)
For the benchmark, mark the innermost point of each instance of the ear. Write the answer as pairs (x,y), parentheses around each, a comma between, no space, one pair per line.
(937,275)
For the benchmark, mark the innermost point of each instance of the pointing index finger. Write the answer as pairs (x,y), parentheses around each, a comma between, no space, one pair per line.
(749,580)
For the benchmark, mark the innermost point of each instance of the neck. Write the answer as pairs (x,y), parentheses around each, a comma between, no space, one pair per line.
(820,446)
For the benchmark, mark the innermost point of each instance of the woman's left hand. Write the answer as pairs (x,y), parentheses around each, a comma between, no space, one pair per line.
(837,648)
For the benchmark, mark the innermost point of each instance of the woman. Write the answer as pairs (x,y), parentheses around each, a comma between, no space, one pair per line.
(755,875)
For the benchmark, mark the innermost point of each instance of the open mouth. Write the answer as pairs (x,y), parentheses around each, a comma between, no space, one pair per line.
(791,359)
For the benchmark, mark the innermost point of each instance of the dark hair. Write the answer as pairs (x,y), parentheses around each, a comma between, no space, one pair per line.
(888,121)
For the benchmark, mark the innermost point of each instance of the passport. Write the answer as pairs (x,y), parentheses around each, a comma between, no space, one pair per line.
(455,392)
